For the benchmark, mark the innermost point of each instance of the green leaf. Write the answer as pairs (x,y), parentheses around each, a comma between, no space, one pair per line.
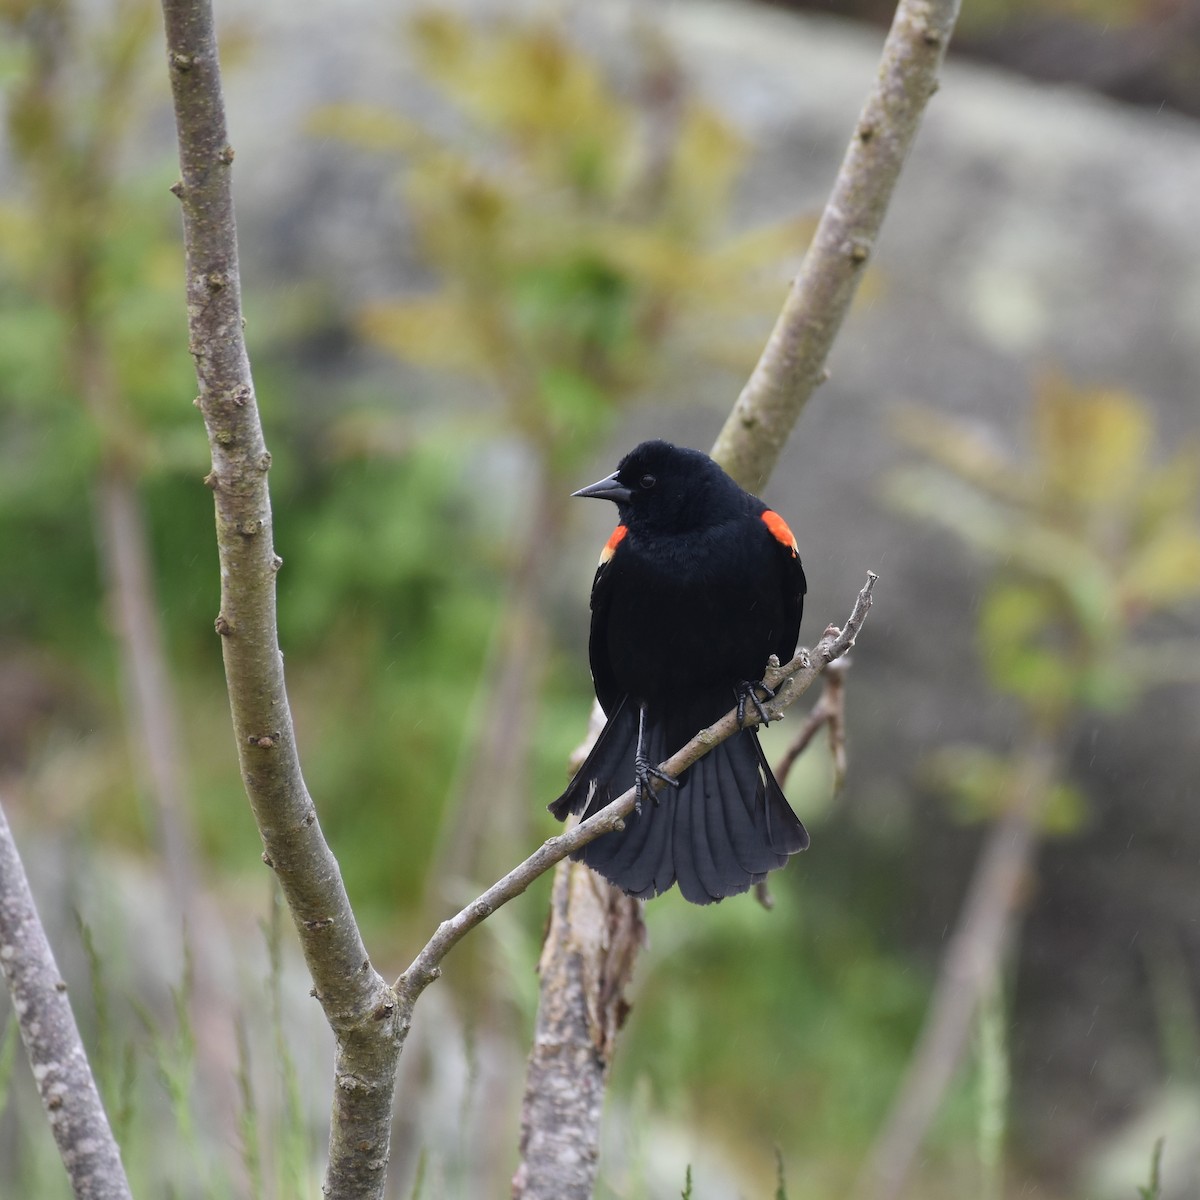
(1066,810)
(980,785)
(1016,623)
(973,781)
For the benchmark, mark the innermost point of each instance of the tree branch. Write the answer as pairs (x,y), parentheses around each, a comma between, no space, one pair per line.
(590,949)
(748,447)
(357,1002)
(793,362)
(593,939)
(829,710)
(52,1042)
(789,682)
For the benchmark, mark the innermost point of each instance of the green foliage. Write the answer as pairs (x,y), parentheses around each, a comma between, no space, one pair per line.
(575,232)
(115,1072)
(92,364)
(980,785)
(721,1044)
(1153,1190)
(780,1179)
(1087,538)
(174,1054)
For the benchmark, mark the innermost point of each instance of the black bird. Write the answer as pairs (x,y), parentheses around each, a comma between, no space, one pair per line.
(699,584)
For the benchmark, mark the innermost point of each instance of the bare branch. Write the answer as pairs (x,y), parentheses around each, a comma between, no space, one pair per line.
(789,682)
(793,362)
(52,1042)
(357,1001)
(828,712)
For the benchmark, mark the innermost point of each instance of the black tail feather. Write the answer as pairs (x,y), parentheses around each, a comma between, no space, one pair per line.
(703,829)
(738,776)
(785,831)
(717,835)
(683,857)
(610,760)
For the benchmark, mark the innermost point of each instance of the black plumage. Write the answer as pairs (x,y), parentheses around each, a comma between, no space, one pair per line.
(699,584)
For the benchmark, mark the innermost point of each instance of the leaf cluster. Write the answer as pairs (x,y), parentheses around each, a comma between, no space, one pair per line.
(1090,541)
(91,366)
(575,229)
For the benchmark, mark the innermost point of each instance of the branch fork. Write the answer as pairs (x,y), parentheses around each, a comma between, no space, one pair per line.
(789,681)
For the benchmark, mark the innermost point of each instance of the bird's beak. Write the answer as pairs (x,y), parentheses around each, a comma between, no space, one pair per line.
(606,489)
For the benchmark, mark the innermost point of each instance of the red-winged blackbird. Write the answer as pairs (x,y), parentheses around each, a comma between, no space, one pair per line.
(698,586)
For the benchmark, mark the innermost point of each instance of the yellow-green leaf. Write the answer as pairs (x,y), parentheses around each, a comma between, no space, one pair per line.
(430,332)
(369,127)
(1091,443)
(1065,811)
(1165,571)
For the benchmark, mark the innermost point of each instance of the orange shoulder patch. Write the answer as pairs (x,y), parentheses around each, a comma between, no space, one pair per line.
(613,542)
(779,529)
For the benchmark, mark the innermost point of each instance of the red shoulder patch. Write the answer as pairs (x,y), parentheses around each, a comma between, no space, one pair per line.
(779,530)
(613,542)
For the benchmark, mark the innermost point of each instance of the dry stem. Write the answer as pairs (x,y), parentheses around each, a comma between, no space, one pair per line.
(52,1042)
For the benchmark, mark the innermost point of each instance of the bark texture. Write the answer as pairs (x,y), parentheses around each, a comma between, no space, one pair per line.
(793,362)
(594,936)
(359,1005)
(52,1042)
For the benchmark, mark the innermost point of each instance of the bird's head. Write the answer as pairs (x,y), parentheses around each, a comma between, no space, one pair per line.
(668,489)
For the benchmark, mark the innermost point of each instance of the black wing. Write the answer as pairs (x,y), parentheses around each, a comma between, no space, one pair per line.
(794,586)
(792,583)
(607,690)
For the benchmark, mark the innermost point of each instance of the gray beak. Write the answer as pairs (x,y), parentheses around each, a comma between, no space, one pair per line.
(606,489)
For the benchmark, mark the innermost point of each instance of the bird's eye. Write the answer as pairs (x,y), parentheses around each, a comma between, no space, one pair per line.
(648,481)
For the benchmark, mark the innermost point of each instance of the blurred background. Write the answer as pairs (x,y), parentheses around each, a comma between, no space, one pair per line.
(486,249)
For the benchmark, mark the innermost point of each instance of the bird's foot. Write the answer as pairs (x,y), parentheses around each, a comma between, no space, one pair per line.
(747,693)
(645,774)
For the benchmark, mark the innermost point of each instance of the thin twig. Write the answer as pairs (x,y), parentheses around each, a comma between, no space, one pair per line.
(828,712)
(789,682)
(793,363)
(52,1042)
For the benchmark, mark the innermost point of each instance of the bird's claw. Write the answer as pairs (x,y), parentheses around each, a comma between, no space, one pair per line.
(644,773)
(747,693)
